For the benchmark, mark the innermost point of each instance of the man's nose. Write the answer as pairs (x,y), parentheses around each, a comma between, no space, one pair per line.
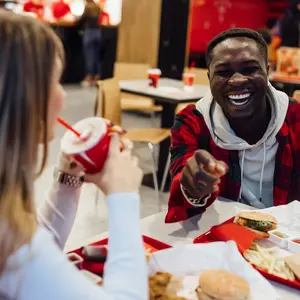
(237,79)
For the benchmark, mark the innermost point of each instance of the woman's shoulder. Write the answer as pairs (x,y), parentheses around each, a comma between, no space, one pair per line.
(42,241)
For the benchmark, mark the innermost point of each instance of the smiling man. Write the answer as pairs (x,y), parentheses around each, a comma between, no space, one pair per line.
(242,140)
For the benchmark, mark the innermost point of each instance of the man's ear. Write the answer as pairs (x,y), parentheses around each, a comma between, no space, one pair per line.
(208,75)
(268,69)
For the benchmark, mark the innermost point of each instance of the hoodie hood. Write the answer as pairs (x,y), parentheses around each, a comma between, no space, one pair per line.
(220,129)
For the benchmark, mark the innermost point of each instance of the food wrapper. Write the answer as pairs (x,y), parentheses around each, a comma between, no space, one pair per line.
(233,232)
(188,261)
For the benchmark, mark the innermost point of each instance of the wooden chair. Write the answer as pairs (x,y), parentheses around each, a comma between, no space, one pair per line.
(108,105)
(296,95)
(129,102)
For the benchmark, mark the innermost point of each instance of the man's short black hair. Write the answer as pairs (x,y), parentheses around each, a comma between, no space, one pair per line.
(266,34)
(236,33)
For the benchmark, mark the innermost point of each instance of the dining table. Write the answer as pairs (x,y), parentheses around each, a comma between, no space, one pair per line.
(288,85)
(169,93)
(183,233)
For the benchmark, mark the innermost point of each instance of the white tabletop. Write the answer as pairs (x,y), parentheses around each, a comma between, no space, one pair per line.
(169,90)
(185,232)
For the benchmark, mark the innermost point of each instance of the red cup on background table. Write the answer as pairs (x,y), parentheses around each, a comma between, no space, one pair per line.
(154,76)
(91,148)
(188,80)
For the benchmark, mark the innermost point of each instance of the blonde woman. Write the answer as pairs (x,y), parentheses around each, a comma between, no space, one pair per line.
(32,264)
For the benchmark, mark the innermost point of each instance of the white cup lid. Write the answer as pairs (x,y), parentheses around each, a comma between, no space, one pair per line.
(91,128)
(154,71)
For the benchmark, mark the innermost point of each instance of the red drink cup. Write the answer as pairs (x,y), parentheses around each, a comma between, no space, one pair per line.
(154,76)
(188,80)
(91,149)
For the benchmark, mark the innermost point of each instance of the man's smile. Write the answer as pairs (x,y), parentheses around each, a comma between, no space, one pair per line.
(239,98)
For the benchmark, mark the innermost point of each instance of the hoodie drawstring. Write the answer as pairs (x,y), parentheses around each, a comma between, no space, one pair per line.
(242,174)
(262,174)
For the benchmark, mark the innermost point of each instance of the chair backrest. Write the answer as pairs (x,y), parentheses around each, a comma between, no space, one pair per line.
(201,76)
(108,102)
(296,95)
(130,71)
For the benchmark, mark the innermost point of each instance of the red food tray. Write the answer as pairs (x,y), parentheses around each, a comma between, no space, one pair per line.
(97,268)
(208,237)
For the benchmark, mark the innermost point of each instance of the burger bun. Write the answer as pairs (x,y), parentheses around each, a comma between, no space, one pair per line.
(257,216)
(261,233)
(222,285)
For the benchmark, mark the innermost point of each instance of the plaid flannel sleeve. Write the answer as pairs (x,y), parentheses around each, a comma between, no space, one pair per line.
(290,164)
(187,135)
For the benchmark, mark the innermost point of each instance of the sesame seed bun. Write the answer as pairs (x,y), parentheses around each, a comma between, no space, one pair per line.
(222,285)
(257,216)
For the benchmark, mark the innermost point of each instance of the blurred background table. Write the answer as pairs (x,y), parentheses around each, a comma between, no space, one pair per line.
(288,85)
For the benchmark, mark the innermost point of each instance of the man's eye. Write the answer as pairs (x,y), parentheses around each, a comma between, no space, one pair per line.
(249,70)
(224,73)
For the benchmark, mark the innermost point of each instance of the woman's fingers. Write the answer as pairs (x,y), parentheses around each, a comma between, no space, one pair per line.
(114,147)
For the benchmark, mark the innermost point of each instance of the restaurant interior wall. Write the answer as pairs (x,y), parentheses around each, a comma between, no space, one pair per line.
(209,17)
(139,32)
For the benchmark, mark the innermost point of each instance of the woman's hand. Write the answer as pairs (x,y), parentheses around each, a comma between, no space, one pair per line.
(120,174)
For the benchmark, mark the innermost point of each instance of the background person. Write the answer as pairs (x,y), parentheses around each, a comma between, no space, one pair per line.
(91,42)
(289,26)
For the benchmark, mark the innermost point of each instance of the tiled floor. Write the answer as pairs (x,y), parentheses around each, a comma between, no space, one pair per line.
(92,215)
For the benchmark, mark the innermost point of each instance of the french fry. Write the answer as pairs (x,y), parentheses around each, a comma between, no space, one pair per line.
(267,259)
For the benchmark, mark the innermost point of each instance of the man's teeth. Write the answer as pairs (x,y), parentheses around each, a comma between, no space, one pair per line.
(239,97)
(238,103)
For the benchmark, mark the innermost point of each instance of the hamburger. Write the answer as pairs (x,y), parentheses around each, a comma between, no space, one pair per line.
(222,285)
(258,222)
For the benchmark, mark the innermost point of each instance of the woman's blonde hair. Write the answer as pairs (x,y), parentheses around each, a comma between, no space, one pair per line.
(28,52)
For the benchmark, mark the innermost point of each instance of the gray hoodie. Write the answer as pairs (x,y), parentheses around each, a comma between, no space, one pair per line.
(257,161)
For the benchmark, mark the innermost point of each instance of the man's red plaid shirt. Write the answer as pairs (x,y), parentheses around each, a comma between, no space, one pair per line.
(190,133)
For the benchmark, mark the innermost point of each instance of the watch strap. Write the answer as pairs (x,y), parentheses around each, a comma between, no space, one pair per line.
(68,179)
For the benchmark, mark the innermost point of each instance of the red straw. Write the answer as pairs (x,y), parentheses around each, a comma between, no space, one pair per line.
(68,126)
(193,64)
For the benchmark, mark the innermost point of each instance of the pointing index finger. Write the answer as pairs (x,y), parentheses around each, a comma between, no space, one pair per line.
(205,159)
